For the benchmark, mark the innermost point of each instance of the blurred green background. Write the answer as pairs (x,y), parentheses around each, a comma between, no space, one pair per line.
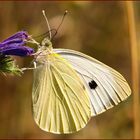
(99,29)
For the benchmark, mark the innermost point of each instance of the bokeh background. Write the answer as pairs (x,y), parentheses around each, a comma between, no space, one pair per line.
(99,29)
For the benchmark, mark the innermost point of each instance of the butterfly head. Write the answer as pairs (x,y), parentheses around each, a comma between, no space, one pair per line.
(46,43)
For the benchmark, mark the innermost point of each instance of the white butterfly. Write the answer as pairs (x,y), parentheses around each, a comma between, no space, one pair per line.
(70,87)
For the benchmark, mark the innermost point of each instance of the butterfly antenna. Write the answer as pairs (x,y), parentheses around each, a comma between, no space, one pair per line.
(63,17)
(44,14)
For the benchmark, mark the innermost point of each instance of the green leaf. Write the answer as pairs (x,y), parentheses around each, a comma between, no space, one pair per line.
(7,65)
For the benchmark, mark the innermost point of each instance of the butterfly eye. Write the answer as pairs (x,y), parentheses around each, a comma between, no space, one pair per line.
(46,42)
(92,84)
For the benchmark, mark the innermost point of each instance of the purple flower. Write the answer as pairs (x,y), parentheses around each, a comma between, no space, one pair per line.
(15,45)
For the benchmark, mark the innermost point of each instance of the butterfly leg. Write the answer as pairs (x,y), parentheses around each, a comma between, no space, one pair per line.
(23,69)
(34,64)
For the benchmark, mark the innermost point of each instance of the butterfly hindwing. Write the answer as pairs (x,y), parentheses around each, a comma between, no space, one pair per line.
(60,100)
(106,86)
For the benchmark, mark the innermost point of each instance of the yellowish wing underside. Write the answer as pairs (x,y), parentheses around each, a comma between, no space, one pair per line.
(60,100)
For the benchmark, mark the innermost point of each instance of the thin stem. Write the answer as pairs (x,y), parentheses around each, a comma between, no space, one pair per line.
(134,66)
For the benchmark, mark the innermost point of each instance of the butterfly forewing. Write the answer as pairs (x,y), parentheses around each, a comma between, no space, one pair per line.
(60,100)
(106,86)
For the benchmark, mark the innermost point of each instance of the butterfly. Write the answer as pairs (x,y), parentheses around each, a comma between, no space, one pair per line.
(70,87)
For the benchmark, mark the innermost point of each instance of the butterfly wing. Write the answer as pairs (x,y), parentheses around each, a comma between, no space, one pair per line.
(106,86)
(60,101)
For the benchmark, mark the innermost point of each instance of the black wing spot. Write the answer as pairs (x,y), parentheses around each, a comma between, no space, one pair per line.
(92,84)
